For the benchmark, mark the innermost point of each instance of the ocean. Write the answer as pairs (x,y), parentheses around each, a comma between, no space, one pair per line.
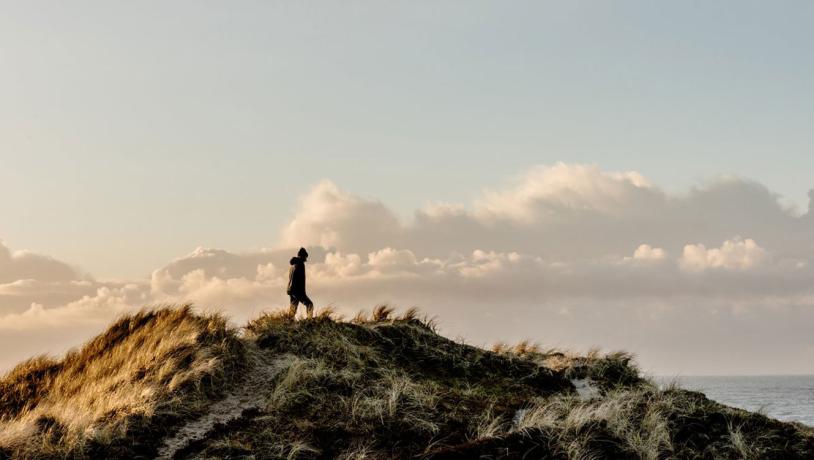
(784,397)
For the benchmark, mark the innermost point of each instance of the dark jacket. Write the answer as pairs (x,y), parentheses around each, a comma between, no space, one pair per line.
(296,277)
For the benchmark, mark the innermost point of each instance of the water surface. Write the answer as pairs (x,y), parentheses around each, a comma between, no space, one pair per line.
(784,397)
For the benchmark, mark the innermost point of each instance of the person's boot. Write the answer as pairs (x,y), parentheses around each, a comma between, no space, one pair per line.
(310,311)
(292,312)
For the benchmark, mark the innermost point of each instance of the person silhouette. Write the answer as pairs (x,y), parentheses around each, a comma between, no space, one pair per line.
(296,285)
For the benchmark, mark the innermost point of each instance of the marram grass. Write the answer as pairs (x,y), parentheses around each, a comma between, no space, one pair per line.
(378,386)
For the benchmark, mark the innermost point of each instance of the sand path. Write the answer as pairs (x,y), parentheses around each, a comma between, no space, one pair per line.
(250,394)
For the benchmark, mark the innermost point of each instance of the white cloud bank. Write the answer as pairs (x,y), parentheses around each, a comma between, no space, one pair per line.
(734,254)
(569,255)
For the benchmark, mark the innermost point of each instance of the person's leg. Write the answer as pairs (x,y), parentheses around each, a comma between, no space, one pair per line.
(309,306)
(292,309)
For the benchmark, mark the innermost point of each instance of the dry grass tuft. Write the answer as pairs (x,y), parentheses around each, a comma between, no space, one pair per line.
(410,314)
(117,384)
(359,318)
(489,424)
(740,442)
(269,319)
(430,322)
(608,370)
(635,421)
(384,313)
(329,314)
(500,348)
(23,387)
(526,347)
(381,313)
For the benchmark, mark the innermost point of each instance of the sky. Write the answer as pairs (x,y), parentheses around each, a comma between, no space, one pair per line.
(588,173)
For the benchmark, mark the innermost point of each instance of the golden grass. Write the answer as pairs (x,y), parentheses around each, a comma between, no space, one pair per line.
(410,314)
(132,372)
(329,313)
(636,418)
(381,313)
(359,318)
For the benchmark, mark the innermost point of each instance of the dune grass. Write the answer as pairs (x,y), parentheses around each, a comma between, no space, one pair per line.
(120,390)
(388,386)
(379,386)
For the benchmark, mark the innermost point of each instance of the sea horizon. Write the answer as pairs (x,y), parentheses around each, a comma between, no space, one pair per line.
(786,397)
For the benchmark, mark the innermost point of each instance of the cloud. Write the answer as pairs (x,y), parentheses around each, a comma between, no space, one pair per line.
(26,277)
(95,310)
(550,192)
(24,265)
(329,217)
(647,253)
(389,257)
(561,211)
(735,254)
(569,254)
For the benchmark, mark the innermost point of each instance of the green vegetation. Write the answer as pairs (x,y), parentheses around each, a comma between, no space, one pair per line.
(173,383)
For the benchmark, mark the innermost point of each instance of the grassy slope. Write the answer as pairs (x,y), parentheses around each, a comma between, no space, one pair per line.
(116,394)
(374,387)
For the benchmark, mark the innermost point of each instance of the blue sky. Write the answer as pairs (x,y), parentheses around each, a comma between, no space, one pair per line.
(601,164)
(131,133)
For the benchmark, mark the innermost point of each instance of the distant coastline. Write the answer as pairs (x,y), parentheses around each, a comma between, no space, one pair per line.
(789,398)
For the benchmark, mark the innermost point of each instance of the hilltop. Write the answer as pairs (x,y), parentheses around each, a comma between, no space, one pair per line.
(171,383)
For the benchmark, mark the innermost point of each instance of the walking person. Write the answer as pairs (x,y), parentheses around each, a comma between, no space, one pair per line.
(296,285)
